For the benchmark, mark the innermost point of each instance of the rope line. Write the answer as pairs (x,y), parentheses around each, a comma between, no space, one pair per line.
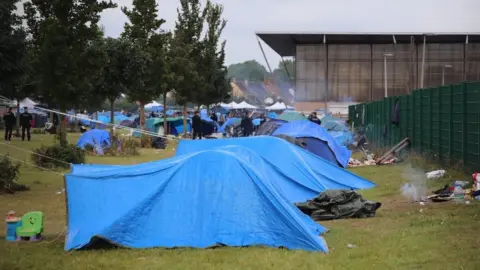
(40,167)
(31,152)
(145,132)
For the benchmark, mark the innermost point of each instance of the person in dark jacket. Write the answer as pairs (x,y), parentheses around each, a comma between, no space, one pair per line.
(313,117)
(197,126)
(247,125)
(9,119)
(25,123)
(214,117)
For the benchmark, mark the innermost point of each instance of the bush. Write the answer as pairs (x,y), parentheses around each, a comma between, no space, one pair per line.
(62,156)
(127,146)
(146,141)
(9,173)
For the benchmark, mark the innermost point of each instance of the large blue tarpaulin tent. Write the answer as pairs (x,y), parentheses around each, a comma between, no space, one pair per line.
(186,202)
(298,164)
(317,140)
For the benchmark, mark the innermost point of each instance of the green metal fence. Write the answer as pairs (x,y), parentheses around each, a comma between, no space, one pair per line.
(443,121)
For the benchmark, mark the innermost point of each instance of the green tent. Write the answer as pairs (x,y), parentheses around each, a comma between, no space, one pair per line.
(290,116)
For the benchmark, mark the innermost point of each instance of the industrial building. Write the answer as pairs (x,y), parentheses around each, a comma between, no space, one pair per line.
(359,67)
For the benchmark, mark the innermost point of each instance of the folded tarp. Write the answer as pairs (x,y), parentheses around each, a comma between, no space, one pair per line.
(296,163)
(197,200)
(339,204)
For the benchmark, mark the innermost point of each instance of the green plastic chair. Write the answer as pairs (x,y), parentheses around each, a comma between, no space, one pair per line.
(32,224)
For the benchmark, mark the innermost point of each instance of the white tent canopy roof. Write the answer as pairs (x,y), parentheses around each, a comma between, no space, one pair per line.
(153,104)
(26,102)
(245,105)
(237,106)
(278,106)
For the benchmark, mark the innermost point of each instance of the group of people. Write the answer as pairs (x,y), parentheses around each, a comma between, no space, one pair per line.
(246,123)
(10,120)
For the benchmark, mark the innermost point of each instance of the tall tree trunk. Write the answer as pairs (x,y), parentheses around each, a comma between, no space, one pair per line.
(112,118)
(165,125)
(17,126)
(185,121)
(62,131)
(75,121)
(142,116)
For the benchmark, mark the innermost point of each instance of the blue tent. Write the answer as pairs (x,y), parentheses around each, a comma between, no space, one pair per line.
(338,129)
(186,202)
(230,121)
(209,126)
(317,140)
(99,139)
(296,163)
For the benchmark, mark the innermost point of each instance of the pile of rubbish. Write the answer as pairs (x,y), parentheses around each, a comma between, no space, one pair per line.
(369,161)
(339,204)
(459,191)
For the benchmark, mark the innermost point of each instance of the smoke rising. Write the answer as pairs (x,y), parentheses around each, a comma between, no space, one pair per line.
(416,187)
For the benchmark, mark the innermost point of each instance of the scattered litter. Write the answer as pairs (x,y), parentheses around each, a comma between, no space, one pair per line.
(421,211)
(357,163)
(422,203)
(61,191)
(467,202)
(435,174)
(351,246)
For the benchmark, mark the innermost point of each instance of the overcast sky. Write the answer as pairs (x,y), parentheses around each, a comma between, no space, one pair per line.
(245,17)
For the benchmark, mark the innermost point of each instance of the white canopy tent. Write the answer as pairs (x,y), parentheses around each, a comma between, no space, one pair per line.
(153,104)
(245,105)
(237,106)
(278,106)
(26,102)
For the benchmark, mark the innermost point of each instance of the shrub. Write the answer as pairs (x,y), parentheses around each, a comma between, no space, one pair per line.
(62,156)
(146,141)
(127,146)
(9,173)
(130,146)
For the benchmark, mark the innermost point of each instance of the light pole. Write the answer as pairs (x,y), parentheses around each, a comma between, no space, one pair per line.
(385,55)
(443,72)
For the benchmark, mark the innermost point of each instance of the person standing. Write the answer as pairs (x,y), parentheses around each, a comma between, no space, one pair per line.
(313,118)
(25,122)
(9,119)
(197,126)
(247,125)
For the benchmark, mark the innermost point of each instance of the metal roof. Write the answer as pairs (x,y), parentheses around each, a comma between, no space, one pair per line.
(284,43)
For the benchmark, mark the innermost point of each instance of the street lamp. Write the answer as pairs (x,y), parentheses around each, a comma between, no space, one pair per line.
(385,55)
(443,72)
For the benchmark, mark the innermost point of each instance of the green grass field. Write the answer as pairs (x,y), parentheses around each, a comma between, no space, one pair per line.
(402,236)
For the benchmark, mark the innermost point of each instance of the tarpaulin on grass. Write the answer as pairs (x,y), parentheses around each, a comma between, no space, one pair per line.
(196,200)
(294,162)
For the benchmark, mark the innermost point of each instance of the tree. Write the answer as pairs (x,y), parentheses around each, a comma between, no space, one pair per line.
(216,84)
(144,31)
(249,70)
(113,74)
(14,55)
(186,51)
(62,32)
(285,71)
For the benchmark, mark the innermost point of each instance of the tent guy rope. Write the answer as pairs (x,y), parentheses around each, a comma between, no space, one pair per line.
(31,152)
(27,163)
